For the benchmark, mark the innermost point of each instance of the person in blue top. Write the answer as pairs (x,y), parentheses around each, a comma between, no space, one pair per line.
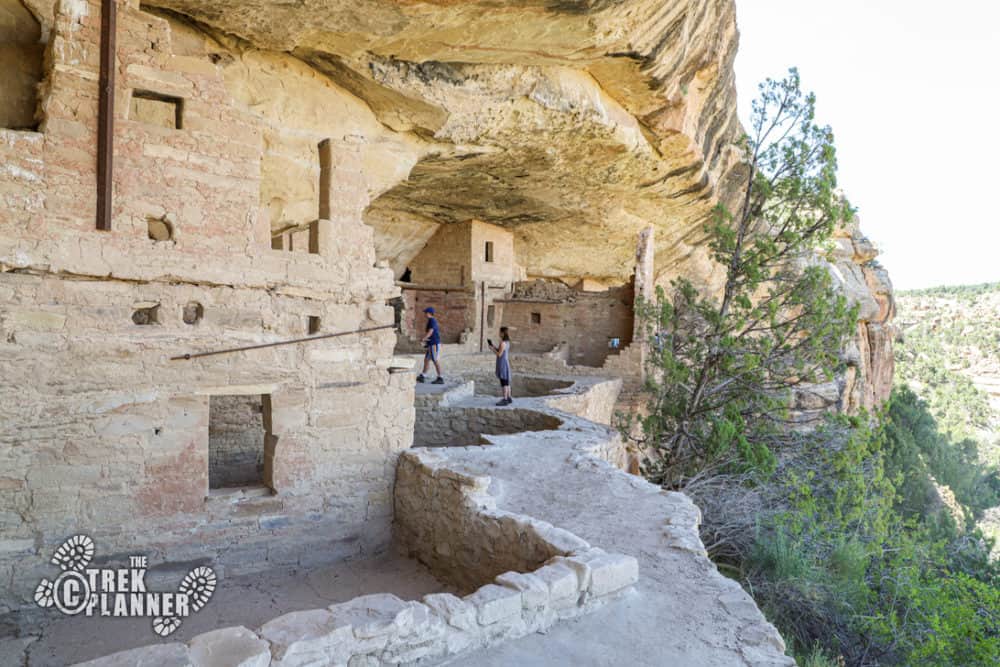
(432,345)
(503,365)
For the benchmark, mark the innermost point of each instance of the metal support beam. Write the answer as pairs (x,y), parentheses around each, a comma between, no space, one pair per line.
(293,341)
(106,116)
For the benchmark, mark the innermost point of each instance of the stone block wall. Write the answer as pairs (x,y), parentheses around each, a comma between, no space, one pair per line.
(455,311)
(441,426)
(522,576)
(596,403)
(502,269)
(446,260)
(584,321)
(102,433)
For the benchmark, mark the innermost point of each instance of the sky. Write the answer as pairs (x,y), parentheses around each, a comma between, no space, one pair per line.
(911,89)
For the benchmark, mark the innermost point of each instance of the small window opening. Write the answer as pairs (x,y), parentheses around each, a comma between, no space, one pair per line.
(146,315)
(156,109)
(159,229)
(314,324)
(489,251)
(237,434)
(397,311)
(193,312)
(490,314)
(536,318)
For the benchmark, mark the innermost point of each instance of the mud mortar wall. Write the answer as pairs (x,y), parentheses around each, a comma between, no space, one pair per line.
(584,321)
(459,427)
(101,433)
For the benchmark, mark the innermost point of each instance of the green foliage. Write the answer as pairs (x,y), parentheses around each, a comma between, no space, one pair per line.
(916,450)
(847,549)
(723,366)
(950,330)
(954,290)
(843,572)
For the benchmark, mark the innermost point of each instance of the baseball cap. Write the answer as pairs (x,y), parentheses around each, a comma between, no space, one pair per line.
(429,309)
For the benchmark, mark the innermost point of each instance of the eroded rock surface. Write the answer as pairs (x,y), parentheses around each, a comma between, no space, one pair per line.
(574,123)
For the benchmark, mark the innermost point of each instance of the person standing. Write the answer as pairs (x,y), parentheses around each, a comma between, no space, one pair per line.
(503,365)
(432,346)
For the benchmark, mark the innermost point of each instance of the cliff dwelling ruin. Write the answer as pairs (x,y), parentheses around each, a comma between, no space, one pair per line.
(278,170)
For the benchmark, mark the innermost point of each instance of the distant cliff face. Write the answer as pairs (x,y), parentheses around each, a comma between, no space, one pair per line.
(868,380)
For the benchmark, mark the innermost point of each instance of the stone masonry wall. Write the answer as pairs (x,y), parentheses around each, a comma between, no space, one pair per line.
(583,320)
(446,259)
(523,575)
(454,309)
(101,432)
(438,426)
(502,270)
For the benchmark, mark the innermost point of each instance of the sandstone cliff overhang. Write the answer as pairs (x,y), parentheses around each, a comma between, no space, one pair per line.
(574,124)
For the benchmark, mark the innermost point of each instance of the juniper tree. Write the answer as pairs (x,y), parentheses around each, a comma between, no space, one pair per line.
(723,365)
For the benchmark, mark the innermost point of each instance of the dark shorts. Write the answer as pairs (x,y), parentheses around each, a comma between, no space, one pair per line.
(432,352)
(504,383)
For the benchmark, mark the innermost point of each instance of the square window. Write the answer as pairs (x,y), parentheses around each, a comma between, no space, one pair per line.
(536,318)
(314,324)
(156,109)
(146,315)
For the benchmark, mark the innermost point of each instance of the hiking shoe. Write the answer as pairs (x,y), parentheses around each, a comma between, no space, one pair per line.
(440,380)
(502,401)
(421,378)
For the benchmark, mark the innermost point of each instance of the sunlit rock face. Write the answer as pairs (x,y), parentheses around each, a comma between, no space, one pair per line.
(868,378)
(574,124)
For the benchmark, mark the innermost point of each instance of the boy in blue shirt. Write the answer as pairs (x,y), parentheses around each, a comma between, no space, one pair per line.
(432,343)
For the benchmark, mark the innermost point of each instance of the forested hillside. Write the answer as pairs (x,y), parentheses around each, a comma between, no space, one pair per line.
(948,353)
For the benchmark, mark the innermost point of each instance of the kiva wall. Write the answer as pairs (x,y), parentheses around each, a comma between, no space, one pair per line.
(100,432)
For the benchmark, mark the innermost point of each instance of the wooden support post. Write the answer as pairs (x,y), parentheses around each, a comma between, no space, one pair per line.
(106,116)
(482,317)
(325,179)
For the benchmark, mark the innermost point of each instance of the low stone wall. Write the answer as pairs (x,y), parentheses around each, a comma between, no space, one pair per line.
(449,522)
(520,385)
(595,402)
(385,630)
(525,576)
(442,426)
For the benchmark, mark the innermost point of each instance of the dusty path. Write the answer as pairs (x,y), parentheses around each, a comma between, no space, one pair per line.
(248,600)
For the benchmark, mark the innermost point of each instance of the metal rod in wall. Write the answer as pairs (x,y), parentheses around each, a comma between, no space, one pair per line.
(308,339)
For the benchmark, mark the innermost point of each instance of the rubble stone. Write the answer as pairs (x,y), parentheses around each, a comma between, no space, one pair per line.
(229,647)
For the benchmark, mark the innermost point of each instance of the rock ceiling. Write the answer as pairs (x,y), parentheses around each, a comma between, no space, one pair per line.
(574,124)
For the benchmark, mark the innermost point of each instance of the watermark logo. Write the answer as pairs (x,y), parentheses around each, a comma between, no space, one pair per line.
(120,592)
